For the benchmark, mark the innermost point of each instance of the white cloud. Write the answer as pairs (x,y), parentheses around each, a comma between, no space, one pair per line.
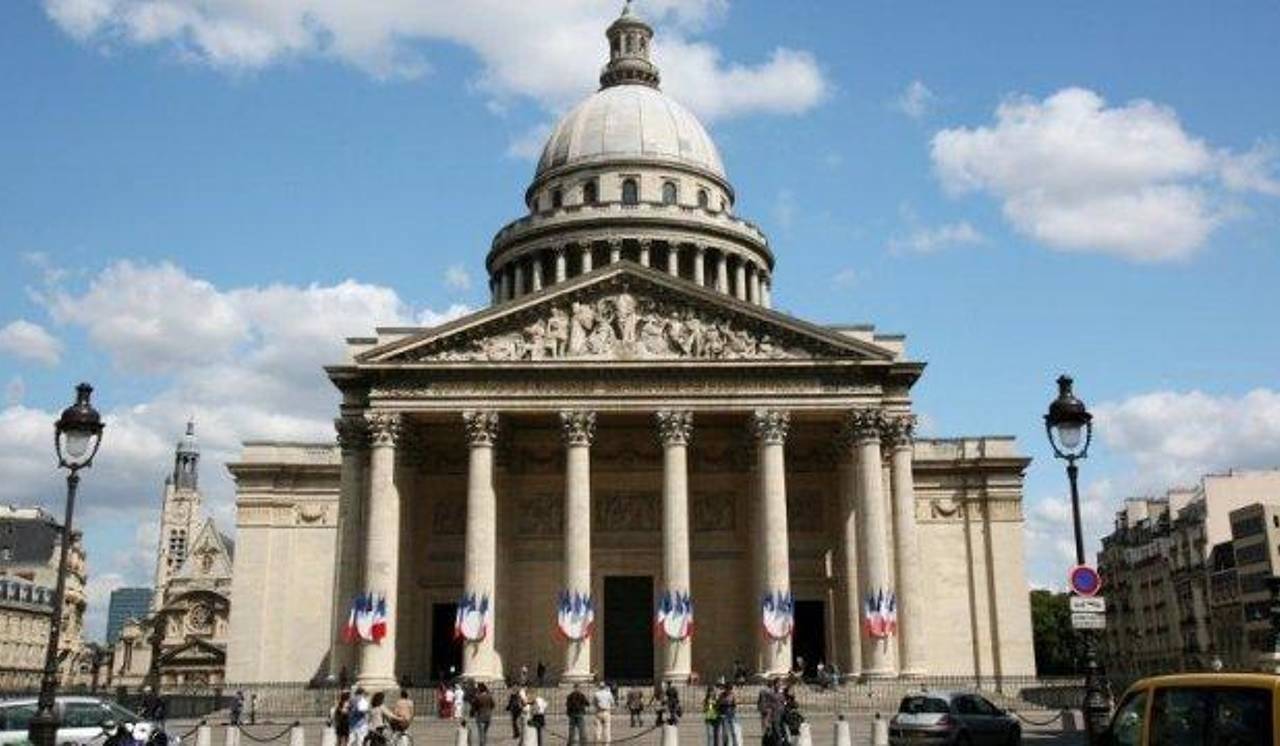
(929,240)
(15,391)
(845,278)
(1254,170)
(457,277)
(1049,534)
(548,51)
(916,100)
(528,144)
(29,341)
(1175,437)
(1079,175)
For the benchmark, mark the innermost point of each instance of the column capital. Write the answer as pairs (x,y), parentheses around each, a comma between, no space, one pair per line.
(644,242)
(578,427)
(353,432)
(862,425)
(384,427)
(675,426)
(899,431)
(770,426)
(480,426)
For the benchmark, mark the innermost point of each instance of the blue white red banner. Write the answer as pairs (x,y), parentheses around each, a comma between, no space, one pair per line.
(675,615)
(471,623)
(575,615)
(880,614)
(778,614)
(367,620)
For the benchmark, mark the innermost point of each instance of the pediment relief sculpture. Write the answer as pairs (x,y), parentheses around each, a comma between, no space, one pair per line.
(618,325)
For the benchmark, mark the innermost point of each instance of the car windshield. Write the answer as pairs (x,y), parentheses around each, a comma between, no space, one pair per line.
(122,715)
(16,717)
(921,705)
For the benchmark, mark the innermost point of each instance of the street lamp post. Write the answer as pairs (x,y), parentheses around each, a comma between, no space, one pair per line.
(1069,427)
(77,435)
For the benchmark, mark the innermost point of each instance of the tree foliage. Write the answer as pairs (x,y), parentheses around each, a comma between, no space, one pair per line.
(1055,641)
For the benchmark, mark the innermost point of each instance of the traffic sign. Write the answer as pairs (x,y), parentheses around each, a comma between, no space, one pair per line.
(1084,580)
(1092,604)
(1088,620)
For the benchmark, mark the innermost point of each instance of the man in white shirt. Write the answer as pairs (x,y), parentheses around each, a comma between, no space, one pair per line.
(603,701)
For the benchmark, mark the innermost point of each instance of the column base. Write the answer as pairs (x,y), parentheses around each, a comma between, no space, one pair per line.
(377,683)
(678,677)
(577,678)
(912,673)
(886,674)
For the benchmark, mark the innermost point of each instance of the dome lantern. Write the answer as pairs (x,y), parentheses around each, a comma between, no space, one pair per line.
(629,42)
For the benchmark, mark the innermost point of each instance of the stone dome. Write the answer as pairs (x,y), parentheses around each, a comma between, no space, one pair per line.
(628,122)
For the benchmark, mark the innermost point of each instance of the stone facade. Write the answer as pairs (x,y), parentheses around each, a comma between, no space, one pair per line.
(629,434)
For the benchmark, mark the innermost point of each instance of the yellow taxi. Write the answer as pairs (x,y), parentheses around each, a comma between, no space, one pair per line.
(1209,709)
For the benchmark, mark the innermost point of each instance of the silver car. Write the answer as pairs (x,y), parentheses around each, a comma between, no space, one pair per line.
(952,718)
(81,720)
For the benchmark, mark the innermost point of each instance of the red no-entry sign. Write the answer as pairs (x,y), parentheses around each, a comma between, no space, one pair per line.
(1084,580)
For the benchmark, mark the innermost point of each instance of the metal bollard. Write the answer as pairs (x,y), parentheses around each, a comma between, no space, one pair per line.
(879,731)
(296,735)
(670,735)
(806,736)
(460,735)
(843,735)
(328,736)
(232,736)
(204,734)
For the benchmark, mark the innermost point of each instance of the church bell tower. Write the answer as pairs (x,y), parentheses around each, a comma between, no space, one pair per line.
(180,513)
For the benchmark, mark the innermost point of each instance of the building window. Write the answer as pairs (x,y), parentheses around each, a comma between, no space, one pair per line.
(630,192)
(669,193)
(703,199)
(557,198)
(6,554)
(589,195)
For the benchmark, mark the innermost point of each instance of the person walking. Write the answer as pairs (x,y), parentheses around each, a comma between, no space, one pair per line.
(604,703)
(541,674)
(358,716)
(538,716)
(401,717)
(340,717)
(727,705)
(575,706)
(711,717)
(771,704)
(237,707)
(635,707)
(377,721)
(481,714)
(517,703)
(671,699)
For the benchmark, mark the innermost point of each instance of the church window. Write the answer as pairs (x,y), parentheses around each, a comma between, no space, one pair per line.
(629,40)
(669,193)
(557,198)
(703,198)
(630,192)
(589,195)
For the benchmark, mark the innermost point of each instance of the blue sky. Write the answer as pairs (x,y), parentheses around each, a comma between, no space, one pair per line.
(197,203)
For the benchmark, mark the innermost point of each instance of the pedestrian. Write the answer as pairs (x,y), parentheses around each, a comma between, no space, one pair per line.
(575,706)
(459,701)
(604,702)
(358,712)
(401,717)
(635,707)
(481,714)
(377,721)
(711,717)
(523,678)
(740,677)
(771,705)
(671,704)
(727,705)
(516,702)
(340,717)
(237,707)
(538,716)
(253,708)
(542,674)
(444,700)
(791,716)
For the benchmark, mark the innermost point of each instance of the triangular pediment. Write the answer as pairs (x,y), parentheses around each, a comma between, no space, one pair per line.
(194,652)
(208,558)
(624,312)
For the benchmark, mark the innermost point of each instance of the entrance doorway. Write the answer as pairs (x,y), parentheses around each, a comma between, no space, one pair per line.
(628,629)
(809,640)
(446,652)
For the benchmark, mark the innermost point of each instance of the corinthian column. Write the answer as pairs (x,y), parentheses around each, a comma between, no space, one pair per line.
(847,473)
(770,427)
(578,429)
(479,658)
(353,440)
(674,430)
(865,426)
(382,547)
(911,640)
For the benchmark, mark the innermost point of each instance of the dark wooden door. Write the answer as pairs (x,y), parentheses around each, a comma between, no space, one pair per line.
(446,652)
(628,629)
(810,638)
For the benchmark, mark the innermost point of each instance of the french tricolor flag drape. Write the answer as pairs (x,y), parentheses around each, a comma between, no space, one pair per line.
(367,620)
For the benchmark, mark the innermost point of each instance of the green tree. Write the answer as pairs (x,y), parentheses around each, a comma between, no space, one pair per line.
(1055,641)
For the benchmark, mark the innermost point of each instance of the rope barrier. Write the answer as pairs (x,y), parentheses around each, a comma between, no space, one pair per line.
(624,739)
(276,737)
(1029,721)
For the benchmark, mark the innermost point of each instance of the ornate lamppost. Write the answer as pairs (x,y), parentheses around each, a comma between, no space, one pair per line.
(1069,427)
(77,435)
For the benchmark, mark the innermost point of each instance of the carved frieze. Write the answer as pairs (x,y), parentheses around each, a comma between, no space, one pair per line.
(614,324)
(623,512)
(713,511)
(804,511)
(448,516)
(540,515)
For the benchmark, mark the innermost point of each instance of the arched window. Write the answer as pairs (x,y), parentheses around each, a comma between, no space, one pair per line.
(630,192)
(557,198)
(589,195)
(669,193)
(703,198)
(627,43)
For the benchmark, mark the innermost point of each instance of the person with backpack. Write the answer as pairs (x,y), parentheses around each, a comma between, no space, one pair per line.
(635,707)
(339,718)
(517,701)
(727,705)
(711,717)
(358,718)
(575,706)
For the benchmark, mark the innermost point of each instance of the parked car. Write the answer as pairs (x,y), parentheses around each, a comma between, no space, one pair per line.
(81,720)
(952,719)
(1213,709)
